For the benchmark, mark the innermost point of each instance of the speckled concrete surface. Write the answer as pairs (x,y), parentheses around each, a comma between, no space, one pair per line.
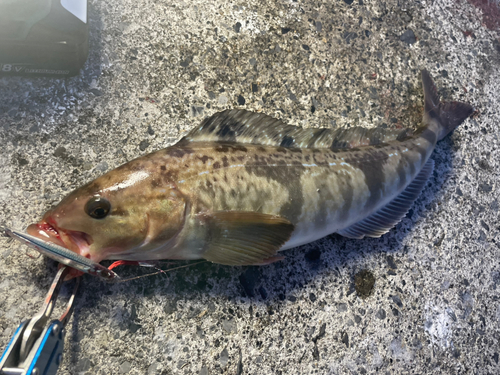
(158,68)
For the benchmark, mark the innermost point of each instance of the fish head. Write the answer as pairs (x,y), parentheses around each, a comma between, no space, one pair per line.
(124,214)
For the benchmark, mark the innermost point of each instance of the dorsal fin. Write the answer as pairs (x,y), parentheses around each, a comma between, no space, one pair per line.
(237,125)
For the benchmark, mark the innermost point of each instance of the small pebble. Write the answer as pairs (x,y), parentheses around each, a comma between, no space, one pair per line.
(143,145)
(125,367)
(364,281)
(408,37)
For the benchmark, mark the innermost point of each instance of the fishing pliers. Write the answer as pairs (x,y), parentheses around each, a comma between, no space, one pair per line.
(37,345)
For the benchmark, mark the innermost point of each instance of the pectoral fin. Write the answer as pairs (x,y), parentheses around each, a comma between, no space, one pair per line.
(245,238)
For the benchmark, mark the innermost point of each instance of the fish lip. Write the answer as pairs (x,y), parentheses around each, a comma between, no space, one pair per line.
(47,229)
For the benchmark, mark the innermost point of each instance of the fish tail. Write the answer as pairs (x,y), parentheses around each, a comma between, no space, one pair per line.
(447,114)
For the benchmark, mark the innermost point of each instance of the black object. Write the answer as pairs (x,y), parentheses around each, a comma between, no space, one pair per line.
(43,37)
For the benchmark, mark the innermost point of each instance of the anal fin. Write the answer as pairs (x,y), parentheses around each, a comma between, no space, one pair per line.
(391,214)
(245,238)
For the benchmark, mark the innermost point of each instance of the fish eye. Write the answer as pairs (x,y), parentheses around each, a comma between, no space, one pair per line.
(97,207)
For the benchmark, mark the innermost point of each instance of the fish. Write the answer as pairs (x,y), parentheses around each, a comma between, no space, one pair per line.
(242,186)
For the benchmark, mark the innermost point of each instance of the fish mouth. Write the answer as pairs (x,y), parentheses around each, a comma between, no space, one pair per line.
(47,230)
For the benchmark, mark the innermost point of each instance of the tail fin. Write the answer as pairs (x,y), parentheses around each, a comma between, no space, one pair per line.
(448,114)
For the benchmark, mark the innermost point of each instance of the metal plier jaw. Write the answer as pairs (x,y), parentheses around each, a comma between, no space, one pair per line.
(37,345)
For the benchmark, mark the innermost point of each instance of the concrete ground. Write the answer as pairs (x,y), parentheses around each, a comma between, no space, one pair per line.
(155,70)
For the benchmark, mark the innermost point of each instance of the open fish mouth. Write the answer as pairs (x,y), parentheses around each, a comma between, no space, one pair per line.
(78,242)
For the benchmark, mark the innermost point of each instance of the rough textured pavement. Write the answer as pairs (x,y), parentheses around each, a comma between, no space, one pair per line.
(156,69)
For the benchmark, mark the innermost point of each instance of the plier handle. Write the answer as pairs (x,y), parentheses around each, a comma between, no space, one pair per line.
(37,345)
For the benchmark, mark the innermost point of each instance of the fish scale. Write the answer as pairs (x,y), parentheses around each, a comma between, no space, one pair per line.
(243,185)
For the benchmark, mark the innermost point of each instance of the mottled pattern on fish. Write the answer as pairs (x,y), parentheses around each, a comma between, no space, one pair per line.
(317,190)
(243,185)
